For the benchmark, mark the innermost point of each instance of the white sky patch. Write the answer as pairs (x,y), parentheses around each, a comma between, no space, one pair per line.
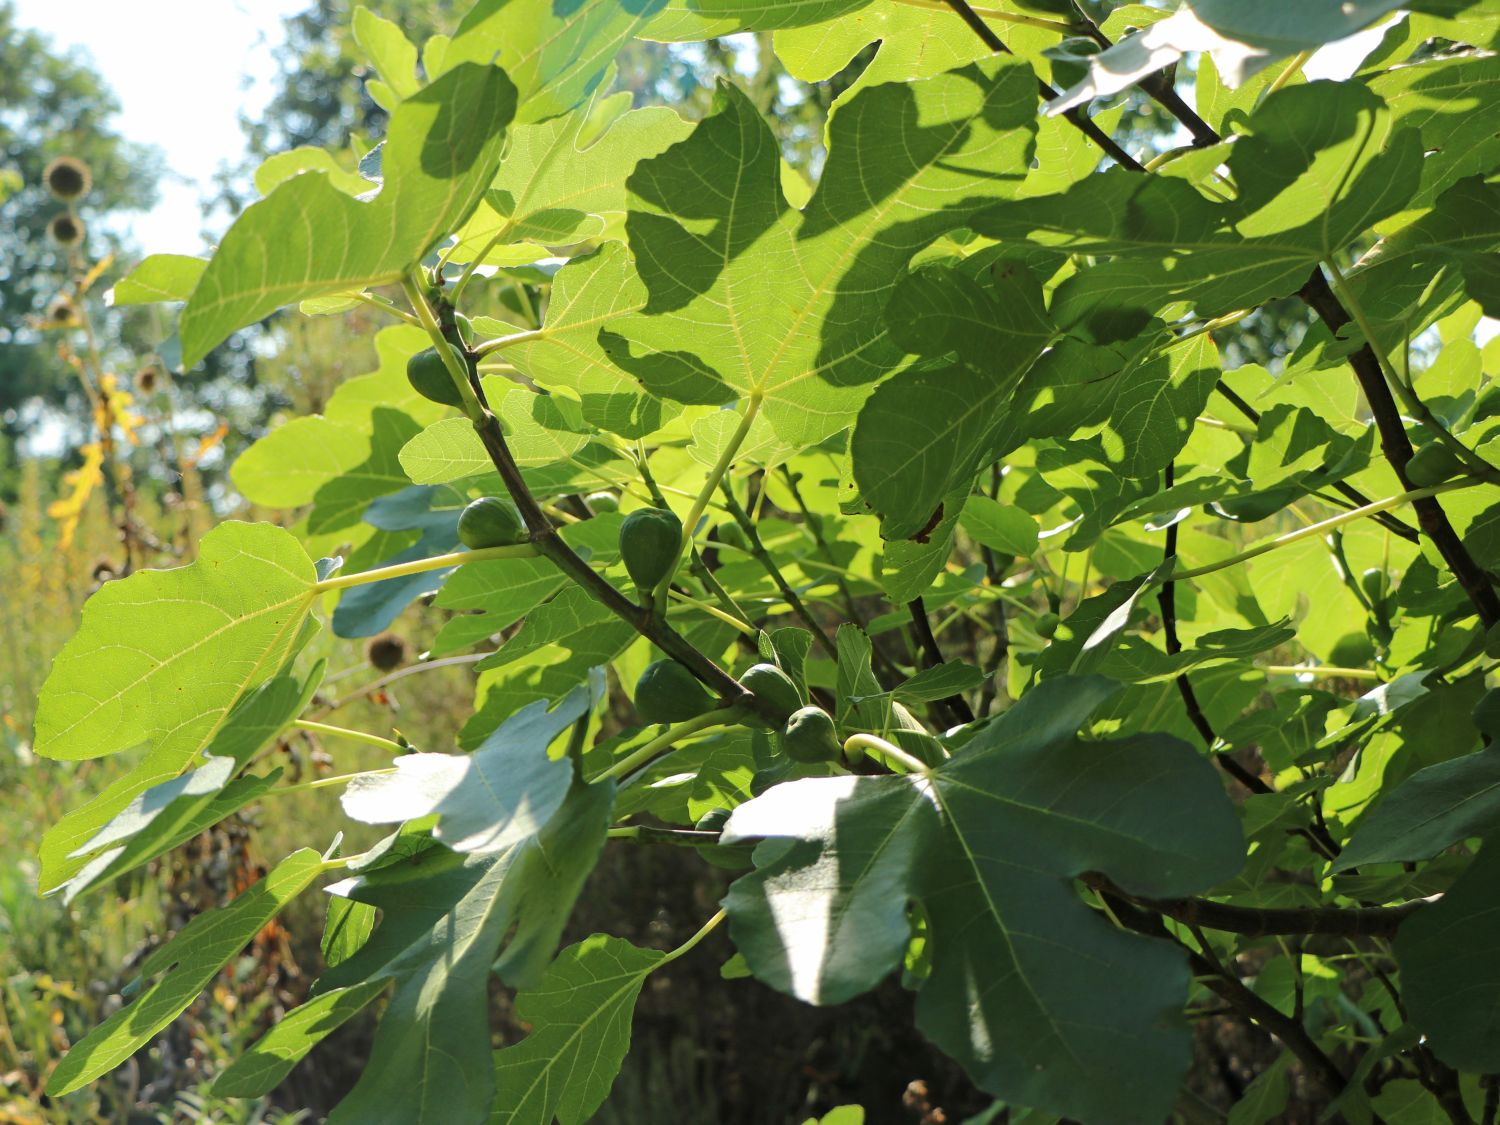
(1341,58)
(183,71)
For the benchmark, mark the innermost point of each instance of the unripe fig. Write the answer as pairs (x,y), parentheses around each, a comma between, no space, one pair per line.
(600,502)
(733,535)
(1372,582)
(1433,464)
(668,693)
(650,539)
(429,377)
(1046,625)
(772,686)
(1352,650)
(490,522)
(810,736)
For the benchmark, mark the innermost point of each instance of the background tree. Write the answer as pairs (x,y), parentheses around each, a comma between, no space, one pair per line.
(54,105)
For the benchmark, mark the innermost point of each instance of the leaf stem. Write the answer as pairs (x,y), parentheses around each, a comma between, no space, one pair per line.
(762,556)
(856,744)
(705,494)
(1327,671)
(353,735)
(478,259)
(690,602)
(664,742)
(375,301)
(687,946)
(501,342)
(327,783)
(696,566)
(421,566)
(1299,60)
(1327,525)
(649,833)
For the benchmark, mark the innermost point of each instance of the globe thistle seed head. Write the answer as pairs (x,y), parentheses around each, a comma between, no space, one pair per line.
(387,651)
(62,312)
(68,178)
(65,229)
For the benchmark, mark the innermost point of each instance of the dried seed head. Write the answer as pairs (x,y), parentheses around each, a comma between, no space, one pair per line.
(387,651)
(62,312)
(65,229)
(147,380)
(68,178)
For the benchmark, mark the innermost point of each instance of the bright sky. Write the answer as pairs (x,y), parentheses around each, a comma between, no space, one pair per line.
(183,71)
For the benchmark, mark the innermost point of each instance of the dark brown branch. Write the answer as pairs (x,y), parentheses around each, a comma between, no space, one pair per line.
(1391,523)
(1319,296)
(1228,987)
(1441,1081)
(1166,598)
(551,546)
(957,704)
(1251,921)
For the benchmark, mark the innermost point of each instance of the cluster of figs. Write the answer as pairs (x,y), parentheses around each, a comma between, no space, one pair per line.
(651,542)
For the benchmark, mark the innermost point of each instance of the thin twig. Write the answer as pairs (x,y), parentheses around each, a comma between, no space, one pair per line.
(1391,523)
(957,704)
(1078,118)
(762,556)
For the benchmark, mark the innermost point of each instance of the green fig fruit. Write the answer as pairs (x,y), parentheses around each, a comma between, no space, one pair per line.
(810,736)
(429,377)
(601,502)
(668,693)
(1433,464)
(491,522)
(773,687)
(650,539)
